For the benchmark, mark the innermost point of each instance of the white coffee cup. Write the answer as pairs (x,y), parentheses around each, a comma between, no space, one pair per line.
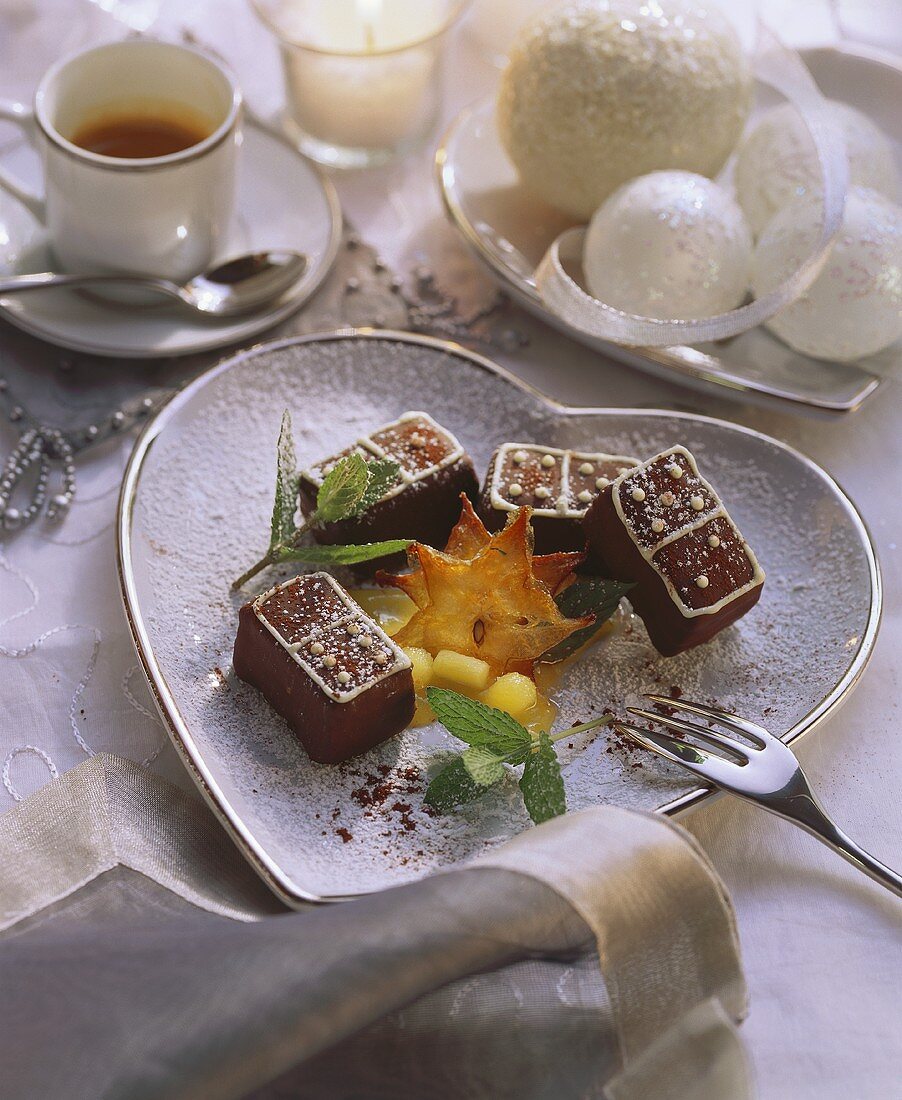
(157,215)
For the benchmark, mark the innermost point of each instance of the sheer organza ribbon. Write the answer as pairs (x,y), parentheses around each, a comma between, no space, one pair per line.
(783,70)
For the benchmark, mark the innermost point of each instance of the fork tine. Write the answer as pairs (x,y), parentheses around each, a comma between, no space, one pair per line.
(758,734)
(713,769)
(739,752)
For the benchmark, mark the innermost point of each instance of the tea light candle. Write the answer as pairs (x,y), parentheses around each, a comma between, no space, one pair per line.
(362,76)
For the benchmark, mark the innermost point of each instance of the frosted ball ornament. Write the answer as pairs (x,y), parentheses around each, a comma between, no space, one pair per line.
(854,307)
(777,162)
(671,245)
(596,92)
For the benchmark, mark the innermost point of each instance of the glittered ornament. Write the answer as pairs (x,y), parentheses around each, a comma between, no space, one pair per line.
(777,162)
(854,307)
(671,245)
(599,91)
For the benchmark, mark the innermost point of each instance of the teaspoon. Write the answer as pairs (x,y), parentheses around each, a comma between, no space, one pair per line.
(237,286)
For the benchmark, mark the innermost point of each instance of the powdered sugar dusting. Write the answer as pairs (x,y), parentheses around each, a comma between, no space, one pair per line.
(202,515)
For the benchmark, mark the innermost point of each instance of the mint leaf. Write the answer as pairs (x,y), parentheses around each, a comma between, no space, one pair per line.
(315,554)
(483,766)
(478,724)
(342,490)
(453,786)
(587,595)
(286,500)
(541,782)
(382,473)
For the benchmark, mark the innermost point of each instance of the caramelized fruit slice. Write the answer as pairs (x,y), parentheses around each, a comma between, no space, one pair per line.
(493,605)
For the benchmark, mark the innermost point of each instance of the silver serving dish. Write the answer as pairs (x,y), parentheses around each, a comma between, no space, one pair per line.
(194,512)
(510,230)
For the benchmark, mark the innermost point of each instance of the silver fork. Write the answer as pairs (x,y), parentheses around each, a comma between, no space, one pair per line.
(765,773)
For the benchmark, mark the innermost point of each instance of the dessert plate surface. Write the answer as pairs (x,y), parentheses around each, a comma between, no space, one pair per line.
(195,512)
(283,201)
(510,230)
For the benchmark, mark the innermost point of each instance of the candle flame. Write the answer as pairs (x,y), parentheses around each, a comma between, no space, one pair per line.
(369,12)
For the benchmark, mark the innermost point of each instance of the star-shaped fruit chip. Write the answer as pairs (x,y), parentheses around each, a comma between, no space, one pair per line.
(486,595)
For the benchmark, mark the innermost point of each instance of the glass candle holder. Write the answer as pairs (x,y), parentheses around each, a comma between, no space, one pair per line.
(363,78)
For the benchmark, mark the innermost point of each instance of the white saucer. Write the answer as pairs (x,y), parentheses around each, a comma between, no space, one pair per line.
(284,201)
(510,230)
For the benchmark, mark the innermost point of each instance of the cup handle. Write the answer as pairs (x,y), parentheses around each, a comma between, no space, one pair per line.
(23,117)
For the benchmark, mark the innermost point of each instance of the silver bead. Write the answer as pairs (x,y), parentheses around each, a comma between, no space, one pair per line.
(12,517)
(117,419)
(353,283)
(59,505)
(379,264)
(15,413)
(147,404)
(91,432)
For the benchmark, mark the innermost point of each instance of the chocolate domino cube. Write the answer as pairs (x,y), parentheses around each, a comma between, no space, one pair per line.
(663,527)
(558,485)
(340,682)
(424,501)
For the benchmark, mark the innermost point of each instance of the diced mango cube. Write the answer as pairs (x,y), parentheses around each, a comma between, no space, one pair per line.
(461,671)
(422,666)
(513,692)
(423,715)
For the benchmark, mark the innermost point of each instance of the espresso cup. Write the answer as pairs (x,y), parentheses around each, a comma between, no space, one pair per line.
(140,215)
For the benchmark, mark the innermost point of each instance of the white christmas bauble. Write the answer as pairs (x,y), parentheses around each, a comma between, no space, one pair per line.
(599,91)
(672,245)
(854,307)
(777,162)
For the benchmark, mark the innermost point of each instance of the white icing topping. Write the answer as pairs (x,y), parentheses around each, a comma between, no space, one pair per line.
(344,677)
(515,489)
(556,491)
(417,440)
(713,540)
(676,472)
(638,495)
(353,629)
(584,497)
(657,525)
(697,502)
(365,640)
(392,657)
(719,512)
(702,581)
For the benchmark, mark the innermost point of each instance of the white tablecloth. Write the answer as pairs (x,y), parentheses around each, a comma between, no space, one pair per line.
(821,943)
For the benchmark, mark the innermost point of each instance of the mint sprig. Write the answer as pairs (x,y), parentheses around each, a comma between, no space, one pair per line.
(495,739)
(587,595)
(350,487)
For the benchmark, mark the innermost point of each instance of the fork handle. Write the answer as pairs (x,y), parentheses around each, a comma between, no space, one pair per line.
(806,811)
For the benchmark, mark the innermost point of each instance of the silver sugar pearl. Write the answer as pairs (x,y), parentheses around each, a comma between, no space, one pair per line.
(12,518)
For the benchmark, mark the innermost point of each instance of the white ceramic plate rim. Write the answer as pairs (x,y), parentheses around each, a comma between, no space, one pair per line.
(278,880)
(256,322)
